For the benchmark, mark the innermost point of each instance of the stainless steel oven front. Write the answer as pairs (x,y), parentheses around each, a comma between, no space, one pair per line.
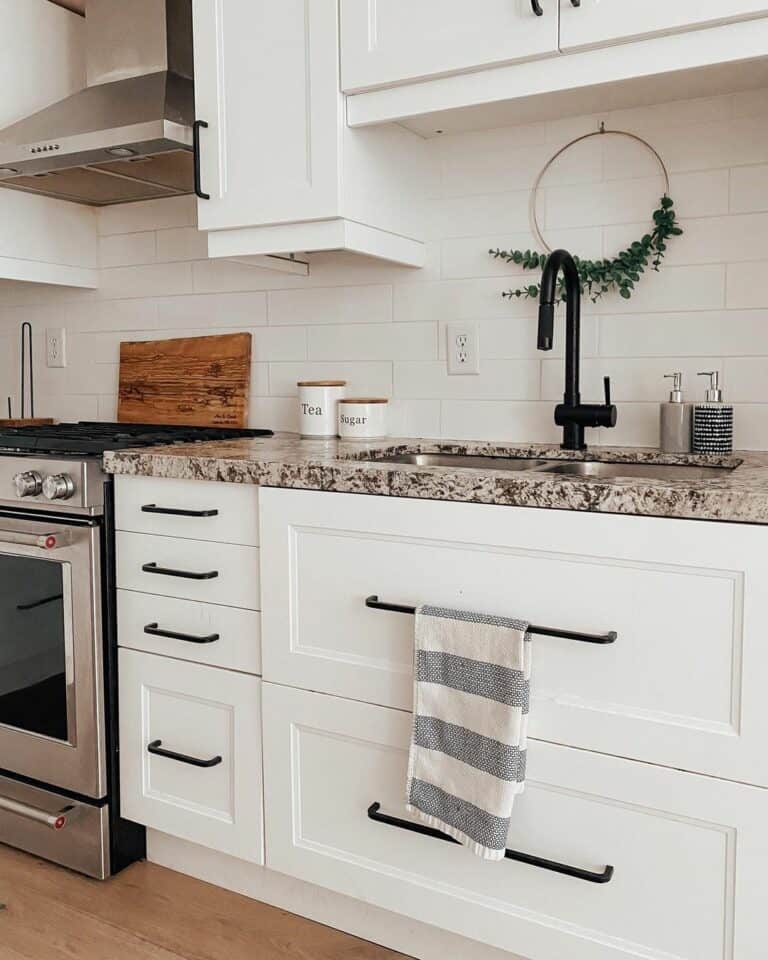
(52,717)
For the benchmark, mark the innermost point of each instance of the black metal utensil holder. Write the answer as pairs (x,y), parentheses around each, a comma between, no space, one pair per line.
(603,876)
(375,604)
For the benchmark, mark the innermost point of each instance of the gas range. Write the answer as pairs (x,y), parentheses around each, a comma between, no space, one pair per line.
(59,775)
(57,467)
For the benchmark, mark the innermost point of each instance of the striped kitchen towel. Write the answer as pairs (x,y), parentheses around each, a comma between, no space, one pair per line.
(467,758)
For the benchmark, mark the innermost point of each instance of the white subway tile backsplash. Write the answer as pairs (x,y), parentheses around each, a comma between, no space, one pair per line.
(498,420)
(380,341)
(746,287)
(128,249)
(749,188)
(363,379)
(183,243)
(366,304)
(707,307)
(205,310)
(498,379)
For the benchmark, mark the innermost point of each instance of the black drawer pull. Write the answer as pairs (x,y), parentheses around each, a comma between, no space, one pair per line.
(375,604)
(604,876)
(536,7)
(575,3)
(155,747)
(184,574)
(176,512)
(154,631)
(196,127)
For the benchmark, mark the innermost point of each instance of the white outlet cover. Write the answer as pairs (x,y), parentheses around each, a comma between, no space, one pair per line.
(56,347)
(463,348)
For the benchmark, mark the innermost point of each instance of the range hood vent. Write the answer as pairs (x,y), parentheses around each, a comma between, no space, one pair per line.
(128,135)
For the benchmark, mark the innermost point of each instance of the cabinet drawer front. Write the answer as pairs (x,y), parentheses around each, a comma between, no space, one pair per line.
(684,598)
(225,512)
(594,23)
(203,714)
(383,43)
(681,845)
(223,573)
(205,632)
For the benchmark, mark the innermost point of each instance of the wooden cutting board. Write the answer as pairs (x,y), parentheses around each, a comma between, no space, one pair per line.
(191,381)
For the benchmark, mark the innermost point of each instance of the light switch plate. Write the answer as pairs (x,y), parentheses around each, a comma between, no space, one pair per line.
(463,348)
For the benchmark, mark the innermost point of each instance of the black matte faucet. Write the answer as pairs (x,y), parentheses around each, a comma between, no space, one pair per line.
(572,415)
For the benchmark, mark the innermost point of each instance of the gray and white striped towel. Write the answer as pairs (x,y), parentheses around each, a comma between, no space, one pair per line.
(471,699)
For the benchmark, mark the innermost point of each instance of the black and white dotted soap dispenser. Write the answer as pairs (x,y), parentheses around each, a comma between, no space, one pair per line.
(713,419)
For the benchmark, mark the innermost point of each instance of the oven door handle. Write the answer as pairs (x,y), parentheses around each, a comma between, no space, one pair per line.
(54,821)
(45,541)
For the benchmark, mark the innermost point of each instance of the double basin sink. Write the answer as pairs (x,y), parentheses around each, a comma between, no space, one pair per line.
(564,468)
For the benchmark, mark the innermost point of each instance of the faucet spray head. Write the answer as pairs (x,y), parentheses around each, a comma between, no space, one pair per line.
(546,326)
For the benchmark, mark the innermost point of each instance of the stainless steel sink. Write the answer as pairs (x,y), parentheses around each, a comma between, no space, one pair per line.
(462,460)
(651,471)
(562,468)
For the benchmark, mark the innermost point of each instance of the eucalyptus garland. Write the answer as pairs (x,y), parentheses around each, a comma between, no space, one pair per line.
(599,277)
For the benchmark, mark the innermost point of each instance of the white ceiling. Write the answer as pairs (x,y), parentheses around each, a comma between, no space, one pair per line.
(77,5)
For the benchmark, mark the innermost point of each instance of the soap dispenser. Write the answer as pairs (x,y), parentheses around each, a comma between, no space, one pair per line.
(713,420)
(675,419)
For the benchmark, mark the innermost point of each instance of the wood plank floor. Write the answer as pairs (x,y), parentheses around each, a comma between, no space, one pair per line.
(150,913)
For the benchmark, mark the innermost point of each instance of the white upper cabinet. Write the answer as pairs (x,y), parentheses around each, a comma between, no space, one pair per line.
(42,60)
(282,170)
(612,21)
(391,41)
(450,67)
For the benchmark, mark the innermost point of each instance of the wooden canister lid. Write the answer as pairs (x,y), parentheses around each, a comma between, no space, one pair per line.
(364,400)
(321,383)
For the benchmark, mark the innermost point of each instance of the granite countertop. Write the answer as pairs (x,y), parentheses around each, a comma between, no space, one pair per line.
(341,466)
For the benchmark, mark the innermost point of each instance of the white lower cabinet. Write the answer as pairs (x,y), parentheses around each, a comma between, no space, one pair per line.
(190,752)
(689,853)
(682,685)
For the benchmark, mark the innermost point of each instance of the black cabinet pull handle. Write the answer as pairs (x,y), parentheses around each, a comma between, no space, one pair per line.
(575,3)
(375,604)
(196,157)
(154,631)
(177,512)
(536,6)
(184,574)
(604,876)
(155,747)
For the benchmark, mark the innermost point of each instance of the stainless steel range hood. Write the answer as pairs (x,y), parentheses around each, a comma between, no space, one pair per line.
(128,135)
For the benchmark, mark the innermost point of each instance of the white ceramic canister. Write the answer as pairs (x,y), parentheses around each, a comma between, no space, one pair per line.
(318,407)
(363,418)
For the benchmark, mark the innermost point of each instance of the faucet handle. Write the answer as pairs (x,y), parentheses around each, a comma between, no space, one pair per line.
(607,389)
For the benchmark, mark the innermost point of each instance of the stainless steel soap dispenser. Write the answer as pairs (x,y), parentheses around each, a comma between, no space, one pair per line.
(675,419)
(713,419)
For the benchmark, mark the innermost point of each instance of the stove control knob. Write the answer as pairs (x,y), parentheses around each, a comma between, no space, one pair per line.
(29,484)
(58,487)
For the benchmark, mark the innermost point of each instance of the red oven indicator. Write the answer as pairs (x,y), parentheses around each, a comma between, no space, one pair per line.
(50,543)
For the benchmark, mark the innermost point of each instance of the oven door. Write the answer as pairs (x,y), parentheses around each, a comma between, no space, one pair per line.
(52,725)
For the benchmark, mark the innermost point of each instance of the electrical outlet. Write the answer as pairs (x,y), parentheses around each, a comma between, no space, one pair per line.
(463,348)
(55,347)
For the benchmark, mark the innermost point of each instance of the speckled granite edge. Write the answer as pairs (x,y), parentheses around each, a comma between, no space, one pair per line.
(741,496)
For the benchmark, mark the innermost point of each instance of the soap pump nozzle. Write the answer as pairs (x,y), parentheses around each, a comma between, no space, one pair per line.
(676,394)
(714,393)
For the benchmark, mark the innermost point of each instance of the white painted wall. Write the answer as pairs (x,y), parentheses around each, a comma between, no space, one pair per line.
(382,327)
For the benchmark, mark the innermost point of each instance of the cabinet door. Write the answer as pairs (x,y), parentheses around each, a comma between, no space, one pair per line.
(266,83)
(393,41)
(688,852)
(682,685)
(597,22)
(190,752)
